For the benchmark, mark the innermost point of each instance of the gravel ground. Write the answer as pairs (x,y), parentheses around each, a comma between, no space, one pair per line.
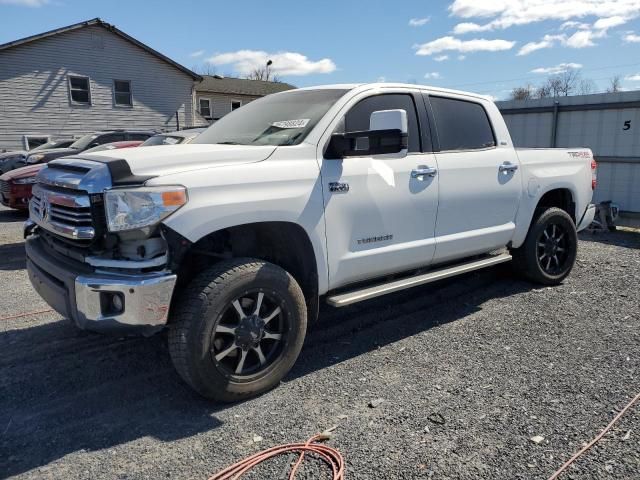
(467,371)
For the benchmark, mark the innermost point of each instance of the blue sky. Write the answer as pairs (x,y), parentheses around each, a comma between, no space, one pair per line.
(487,46)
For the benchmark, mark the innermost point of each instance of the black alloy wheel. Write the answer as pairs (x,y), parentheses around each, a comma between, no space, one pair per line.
(250,335)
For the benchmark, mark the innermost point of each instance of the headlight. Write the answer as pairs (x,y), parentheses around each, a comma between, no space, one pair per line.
(25,180)
(35,158)
(141,207)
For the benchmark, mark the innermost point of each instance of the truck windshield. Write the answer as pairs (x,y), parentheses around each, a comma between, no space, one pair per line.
(280,119)
(83,142)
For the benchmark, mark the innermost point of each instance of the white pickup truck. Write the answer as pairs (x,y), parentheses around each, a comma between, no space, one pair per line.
(337,193)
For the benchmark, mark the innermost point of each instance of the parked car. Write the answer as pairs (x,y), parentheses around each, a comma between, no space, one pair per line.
(336,194)
(15,186)
(115,146)
(174,138)
(9,160)
(88,141)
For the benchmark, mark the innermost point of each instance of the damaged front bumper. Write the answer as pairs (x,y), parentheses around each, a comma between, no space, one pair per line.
(99,300)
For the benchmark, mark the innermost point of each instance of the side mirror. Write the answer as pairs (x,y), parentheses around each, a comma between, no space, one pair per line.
(387,134)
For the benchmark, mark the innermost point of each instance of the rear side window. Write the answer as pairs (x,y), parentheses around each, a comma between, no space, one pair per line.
(108,138)
(138,136)
(357,119)
(461,125)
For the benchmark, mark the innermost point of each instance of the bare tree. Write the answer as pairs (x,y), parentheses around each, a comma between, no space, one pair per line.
(586,86)
(263,74)
(522,93)
(204,69)
(543,91)
(614,84)
(560,85)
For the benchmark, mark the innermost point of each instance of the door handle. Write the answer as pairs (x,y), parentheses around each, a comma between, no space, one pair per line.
(424,172)
(508,167)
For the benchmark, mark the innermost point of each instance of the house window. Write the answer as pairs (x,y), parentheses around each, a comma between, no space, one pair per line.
(122,92)
(235,104)
(79,90)
(205,107)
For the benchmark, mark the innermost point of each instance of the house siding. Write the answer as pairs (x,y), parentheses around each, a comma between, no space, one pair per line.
(34,90)
(221,102)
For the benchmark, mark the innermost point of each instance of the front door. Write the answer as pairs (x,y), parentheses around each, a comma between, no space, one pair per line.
(380,212)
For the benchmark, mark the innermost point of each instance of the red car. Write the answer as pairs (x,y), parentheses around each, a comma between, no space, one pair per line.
(15,186)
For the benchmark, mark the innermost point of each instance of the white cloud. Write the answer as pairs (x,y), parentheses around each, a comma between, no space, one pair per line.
(433,75)
(582,39)
(469,27)
(284,63)
(461,57)
(418,22)
(632,38)
(610,22)
(562,67)
(503,14)
(441,58)
(198,53)
(25,3)
(445,44)
(547,41)
(633,78)
(571,25)
(381,79)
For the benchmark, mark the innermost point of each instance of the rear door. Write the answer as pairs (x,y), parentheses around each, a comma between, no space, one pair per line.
(380,215)
(479,181)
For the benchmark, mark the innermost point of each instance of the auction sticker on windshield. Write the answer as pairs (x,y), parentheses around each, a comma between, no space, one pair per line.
(300,123)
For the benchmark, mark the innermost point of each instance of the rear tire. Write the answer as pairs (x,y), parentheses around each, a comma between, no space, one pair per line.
(238,329)
(549,251)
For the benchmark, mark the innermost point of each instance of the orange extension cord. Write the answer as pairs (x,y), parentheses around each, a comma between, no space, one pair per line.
(330,455)
(26,314)
(595,440)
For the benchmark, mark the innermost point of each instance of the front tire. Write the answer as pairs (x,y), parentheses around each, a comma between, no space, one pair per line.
(238,329)
(549,252)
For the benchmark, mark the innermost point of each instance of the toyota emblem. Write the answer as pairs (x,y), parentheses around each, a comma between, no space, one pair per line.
(44,208)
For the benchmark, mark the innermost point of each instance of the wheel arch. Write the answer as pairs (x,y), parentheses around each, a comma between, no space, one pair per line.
(561,197)
(283,243)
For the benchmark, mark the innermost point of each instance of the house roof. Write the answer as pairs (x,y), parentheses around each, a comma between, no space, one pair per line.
(99,22)
(240,86)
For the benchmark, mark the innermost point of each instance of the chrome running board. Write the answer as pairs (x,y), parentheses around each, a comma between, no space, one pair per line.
(347,298)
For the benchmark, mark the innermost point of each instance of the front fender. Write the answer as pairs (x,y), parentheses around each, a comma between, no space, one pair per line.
(280,189)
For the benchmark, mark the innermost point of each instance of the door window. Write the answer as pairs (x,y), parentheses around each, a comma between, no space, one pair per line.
(357,119)
(462,125)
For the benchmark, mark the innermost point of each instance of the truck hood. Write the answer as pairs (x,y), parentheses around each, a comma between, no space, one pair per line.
(30,171)
(168,159)
(13,153)
(51,153)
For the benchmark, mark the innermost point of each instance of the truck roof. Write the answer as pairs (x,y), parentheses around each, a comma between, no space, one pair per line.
(351,86)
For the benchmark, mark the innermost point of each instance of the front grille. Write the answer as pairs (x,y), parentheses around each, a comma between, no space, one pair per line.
(5,187)
(67,201)
(62,211)
(76,216)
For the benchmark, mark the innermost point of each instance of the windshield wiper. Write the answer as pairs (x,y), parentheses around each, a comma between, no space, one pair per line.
(228,143)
